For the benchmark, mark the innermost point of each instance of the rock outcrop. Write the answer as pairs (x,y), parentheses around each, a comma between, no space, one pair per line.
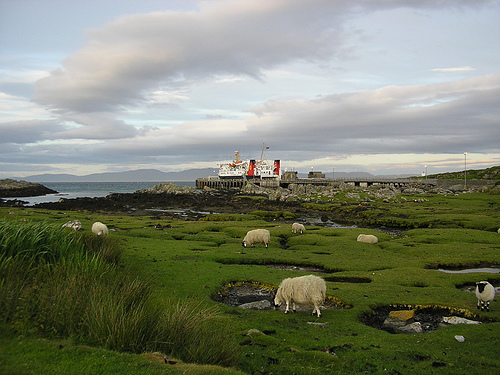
(13,188)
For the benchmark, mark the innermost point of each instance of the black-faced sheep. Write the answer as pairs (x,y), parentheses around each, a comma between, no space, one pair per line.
(99,229)
(485,293)
(303,290)
(257,236)
(367,238)
(297,227)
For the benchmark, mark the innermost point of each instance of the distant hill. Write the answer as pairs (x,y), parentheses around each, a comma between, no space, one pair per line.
(139,175)
(492,173)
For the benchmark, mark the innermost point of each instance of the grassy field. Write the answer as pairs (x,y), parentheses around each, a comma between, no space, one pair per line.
(188,262)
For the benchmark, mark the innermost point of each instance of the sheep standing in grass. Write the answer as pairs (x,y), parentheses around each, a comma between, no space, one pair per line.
(367,238)
(485,294)
(257,236)
(303,290)
(99,229)
(297,227)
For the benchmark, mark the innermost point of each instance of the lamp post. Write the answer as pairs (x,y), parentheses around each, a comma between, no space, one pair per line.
(465,171)
(426,172)
(333,173)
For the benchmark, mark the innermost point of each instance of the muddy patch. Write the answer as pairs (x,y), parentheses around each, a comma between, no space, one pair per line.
(408,319)
(281,266)
(253,295)
(348,279)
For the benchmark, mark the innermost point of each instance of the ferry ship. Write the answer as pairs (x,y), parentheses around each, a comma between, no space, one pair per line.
(250,169)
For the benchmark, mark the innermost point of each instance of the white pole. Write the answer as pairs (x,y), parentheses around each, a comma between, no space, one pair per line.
(465,171)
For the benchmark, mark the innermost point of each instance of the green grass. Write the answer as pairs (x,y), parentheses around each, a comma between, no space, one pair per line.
(188,262)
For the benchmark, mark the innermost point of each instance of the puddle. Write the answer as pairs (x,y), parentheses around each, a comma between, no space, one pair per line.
(418,318)
(259,296)
(298,268)
(472,270)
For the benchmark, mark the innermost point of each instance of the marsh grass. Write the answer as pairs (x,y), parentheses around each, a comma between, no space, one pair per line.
(57,283)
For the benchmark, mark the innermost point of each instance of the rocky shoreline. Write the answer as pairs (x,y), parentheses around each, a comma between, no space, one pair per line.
(167,200)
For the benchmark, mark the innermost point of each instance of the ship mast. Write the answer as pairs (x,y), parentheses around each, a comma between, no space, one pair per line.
(262,153)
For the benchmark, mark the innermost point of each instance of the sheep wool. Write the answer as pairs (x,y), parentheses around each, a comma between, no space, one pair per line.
(304,290)
(485,293)
(297,227)
(367,238)
(257,236)
(99,229)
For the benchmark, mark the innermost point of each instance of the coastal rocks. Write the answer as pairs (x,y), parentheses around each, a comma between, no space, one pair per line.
(169,188)
(13,188)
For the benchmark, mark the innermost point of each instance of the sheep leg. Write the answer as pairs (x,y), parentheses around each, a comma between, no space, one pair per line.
(483,305)
(287,307)
(316,309)
(294,307)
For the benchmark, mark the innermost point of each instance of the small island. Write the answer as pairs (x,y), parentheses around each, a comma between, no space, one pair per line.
(12,188)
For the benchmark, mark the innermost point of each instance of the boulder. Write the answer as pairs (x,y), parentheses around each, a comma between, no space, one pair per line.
(257,305)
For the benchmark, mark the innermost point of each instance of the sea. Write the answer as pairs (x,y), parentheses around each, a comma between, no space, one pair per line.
(71,190)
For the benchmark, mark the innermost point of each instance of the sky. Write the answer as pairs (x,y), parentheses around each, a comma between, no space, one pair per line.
(378,86)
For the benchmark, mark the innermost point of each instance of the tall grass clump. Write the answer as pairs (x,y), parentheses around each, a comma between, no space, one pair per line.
(34,243)
(58,283)
(198,334)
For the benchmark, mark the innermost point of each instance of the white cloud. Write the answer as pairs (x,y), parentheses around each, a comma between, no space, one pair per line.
(138,53)
(459,69)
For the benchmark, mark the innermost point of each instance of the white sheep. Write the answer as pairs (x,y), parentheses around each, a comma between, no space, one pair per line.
(257,236)
(297,227)
(367,238)
(75,224)
(303,290)
(99,229)
(485,293)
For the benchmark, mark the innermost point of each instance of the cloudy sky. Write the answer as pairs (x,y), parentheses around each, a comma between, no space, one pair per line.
(382,86)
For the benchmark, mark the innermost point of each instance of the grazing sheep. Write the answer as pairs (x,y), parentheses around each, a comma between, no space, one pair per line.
(99,229)
(303,290)
(257,236)
(485,292)
(75,224)
(297,227)
(367,238)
